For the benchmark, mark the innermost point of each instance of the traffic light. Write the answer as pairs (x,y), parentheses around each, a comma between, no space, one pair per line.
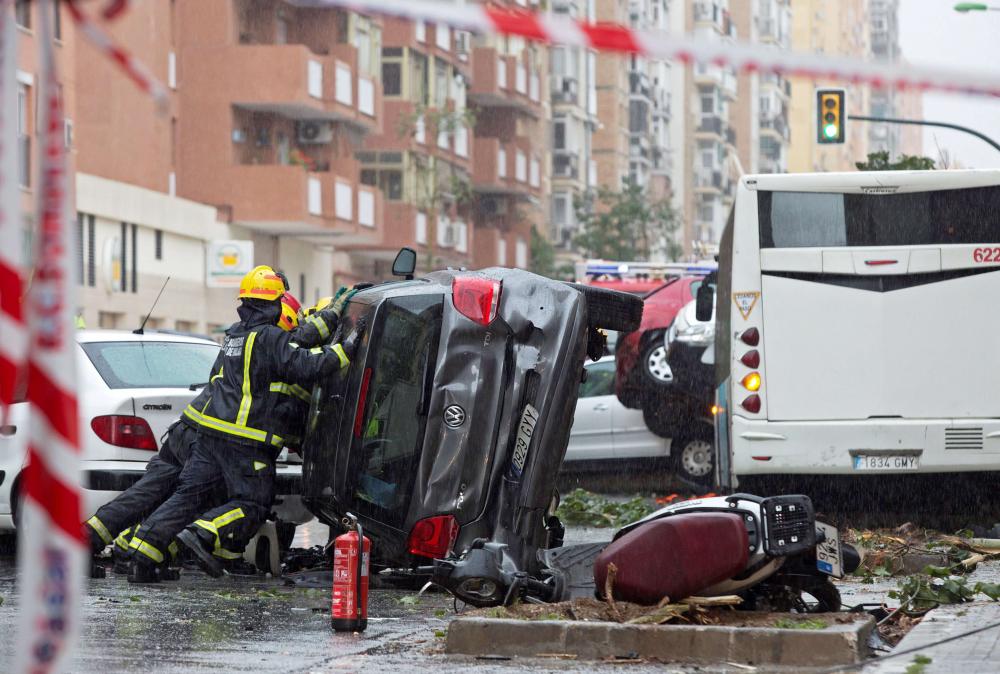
(831,115)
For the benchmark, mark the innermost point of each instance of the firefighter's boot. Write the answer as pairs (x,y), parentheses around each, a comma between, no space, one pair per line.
(201,546)
(141,572)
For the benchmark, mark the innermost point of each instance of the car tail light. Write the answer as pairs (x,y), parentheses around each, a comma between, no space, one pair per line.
(433,537)
(752,404)
(751,359)
(359,412)
(124,431)
(476,298)
(751,336)
(751,382)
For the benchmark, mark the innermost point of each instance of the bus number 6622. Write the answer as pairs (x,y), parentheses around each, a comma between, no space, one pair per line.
(986,255)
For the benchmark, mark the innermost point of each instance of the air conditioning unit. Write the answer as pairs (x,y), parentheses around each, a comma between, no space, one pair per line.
(315,132)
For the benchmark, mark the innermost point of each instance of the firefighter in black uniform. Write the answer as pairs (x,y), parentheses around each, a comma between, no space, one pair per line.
(237,443)
(160,477)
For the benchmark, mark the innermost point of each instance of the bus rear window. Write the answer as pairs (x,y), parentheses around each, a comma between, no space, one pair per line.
(823,219)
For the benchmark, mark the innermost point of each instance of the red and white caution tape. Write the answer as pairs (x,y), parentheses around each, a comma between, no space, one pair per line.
(13,334)
(51,551)
(742,56)
(131,66)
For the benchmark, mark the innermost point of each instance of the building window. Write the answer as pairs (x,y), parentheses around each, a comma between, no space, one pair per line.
(22,13)
(302,286)
(186,327)
(392,79)
(391,183)
(521,254)
(108,320)
(441,79)
(91,252)
(57,20)
(561,209)
(158,244)
(79,249)
(502,252)
(559,133)
(135,258)
(421,226)
(23,135)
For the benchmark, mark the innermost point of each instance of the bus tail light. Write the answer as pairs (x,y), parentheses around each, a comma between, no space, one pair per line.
(751,359)
(752,404)
(751,336)
(751,382)
(477,298)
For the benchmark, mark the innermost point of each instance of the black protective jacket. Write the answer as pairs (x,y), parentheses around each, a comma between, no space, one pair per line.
(256,357)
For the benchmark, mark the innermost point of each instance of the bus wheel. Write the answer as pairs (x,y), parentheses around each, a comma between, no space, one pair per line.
(693,453)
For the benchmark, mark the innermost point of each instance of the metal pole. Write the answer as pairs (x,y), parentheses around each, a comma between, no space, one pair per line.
(920,122)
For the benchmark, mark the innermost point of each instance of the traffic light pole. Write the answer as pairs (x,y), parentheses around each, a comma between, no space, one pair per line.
(921,122)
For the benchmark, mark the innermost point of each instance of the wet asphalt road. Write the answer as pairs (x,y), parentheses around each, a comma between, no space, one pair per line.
(199,624)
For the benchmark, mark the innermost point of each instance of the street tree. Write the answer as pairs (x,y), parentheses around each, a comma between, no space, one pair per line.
(543,254)
(879,161)
(626,224)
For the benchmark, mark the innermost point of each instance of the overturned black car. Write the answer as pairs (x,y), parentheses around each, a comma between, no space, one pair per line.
(455,415)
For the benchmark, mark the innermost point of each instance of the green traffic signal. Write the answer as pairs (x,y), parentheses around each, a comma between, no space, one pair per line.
(831,115)
(830,130)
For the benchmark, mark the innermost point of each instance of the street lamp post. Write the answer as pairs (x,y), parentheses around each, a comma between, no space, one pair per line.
(965,7)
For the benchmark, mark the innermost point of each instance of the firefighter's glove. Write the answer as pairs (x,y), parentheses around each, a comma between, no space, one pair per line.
(351,342)
(344,296)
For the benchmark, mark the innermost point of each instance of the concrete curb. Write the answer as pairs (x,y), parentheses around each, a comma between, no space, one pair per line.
(835,645)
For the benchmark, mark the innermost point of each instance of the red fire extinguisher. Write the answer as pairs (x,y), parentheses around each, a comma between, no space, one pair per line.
(349,610)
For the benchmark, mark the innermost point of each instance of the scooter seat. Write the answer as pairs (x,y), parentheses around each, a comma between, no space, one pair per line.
(674,557)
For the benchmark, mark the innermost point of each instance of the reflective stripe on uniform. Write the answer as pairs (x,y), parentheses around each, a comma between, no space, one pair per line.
(98,526)
(247,401)
(339,350)
(316,350)
(123,538)
(231,428)
(217,549)
(228,518)
(146,549)
(320,324)
(216,376)
(259,465)
(222,553)
(291,389)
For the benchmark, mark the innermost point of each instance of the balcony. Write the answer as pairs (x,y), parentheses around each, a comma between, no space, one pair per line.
(711,126)
(730,135)
(566,90)
(293,82)
(506,168)
(566,164)
(776,127)
(708,74)
(777,83)
(640,149)
(640,87)
(770,165)
(292,200)
(708,181)
(504,81)
(729,84)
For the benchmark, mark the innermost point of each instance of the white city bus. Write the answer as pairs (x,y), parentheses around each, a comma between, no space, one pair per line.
(859,324)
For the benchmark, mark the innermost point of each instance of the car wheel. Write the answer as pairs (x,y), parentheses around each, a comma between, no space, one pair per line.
(655,368)
(610,309)
(821,596)
(694,456)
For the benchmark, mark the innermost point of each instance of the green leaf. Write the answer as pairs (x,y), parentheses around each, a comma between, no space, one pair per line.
(440,634)
(410,600)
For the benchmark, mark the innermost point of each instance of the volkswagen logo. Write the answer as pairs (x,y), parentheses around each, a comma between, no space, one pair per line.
(454,416)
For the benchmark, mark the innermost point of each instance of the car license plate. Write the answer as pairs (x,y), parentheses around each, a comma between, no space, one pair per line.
(877,462)
(525,429)
(829,557)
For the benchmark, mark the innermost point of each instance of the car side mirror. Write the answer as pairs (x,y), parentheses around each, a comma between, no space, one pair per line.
(405,263)
(703,303)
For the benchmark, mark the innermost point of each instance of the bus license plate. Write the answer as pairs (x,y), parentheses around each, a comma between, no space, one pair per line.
(877,462)
(525,429)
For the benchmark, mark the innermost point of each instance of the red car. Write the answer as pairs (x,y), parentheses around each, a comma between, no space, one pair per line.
(641,356)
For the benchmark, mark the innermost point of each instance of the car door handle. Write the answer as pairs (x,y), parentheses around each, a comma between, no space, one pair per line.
(8,431)
(600,407)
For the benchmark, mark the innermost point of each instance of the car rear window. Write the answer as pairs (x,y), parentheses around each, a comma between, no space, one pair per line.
(402,357)
(148,364)
(815,219)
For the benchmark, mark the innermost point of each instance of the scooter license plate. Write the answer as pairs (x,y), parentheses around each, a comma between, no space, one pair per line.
(829,556)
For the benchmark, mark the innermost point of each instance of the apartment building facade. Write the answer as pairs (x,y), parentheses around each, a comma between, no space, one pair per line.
(573,90)
(511,180)
(830,27)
